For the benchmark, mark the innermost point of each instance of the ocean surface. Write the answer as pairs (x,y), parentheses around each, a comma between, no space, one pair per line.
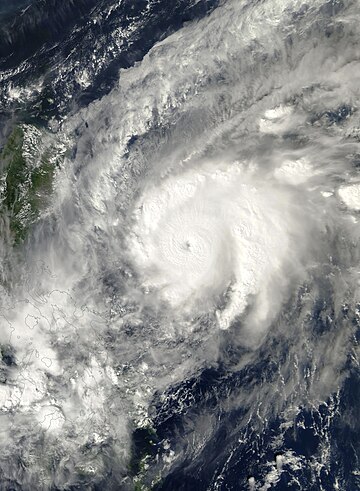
(179,245)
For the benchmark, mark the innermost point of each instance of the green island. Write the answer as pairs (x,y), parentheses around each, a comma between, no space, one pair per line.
(145,449)
(28,162)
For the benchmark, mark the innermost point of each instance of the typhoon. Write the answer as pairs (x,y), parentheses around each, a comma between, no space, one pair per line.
(220,234)
(180,246)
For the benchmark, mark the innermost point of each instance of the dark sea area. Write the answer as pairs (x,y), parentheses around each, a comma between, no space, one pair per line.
(108,382)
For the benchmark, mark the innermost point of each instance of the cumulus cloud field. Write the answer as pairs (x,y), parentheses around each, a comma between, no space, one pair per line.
(212,198)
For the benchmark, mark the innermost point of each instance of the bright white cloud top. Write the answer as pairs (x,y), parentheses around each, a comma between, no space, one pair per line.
(205,217)
(219,230)
(350,195)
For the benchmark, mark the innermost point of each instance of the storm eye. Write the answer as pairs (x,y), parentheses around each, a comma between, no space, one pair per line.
(196,233)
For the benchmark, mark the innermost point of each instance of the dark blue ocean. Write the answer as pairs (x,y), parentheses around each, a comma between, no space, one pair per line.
(167,322)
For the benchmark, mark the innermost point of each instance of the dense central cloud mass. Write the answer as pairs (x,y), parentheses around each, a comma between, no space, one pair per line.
(221,232)
(196,276)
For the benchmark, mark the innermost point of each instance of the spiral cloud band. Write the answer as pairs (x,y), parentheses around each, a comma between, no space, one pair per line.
(215,231)
(185,312)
